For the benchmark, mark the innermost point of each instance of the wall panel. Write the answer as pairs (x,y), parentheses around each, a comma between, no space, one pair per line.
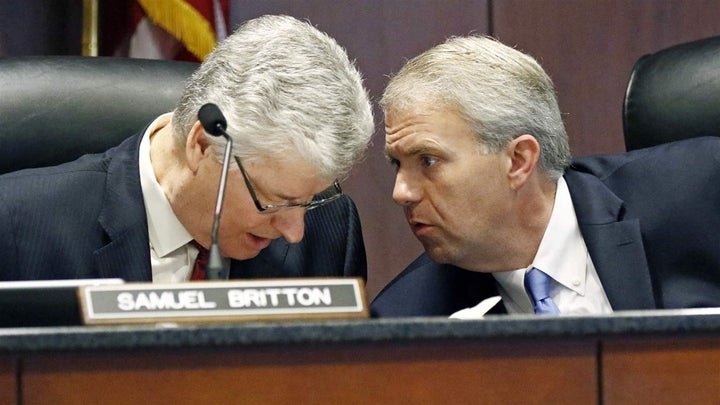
(589,47)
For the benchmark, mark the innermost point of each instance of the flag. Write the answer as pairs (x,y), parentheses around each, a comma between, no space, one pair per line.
(170,29)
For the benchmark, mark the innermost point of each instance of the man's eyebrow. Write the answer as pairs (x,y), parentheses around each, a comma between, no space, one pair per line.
(413,150)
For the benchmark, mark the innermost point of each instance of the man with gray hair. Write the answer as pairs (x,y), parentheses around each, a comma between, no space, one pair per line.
(299,118)
(510,225)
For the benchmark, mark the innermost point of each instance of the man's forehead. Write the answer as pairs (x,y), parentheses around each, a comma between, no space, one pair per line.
(414,145)
(286,177)
(426,131)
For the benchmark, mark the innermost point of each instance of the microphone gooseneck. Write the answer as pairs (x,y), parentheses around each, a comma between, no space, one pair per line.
(214,123)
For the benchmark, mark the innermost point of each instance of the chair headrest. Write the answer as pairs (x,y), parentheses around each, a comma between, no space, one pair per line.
(673,94)
(54,109)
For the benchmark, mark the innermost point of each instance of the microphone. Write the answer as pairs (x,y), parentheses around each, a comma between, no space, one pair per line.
(214,123)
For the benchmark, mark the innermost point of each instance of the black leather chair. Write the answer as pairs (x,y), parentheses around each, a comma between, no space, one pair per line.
(54,109)
(673,94)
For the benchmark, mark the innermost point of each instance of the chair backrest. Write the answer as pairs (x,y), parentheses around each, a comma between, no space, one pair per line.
(673,94)
(54,109)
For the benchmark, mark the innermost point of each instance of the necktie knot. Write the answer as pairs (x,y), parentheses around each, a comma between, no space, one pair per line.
(200,268)
(537,284)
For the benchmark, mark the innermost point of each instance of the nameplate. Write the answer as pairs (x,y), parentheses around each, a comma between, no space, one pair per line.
(212,301)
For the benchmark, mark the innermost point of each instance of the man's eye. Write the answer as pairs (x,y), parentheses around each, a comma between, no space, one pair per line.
(428,161)
(395,163)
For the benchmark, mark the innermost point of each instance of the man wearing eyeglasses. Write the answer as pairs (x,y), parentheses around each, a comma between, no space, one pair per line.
(299,117)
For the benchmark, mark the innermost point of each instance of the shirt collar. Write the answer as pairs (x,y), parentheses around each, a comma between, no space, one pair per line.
(562,253)
(164,228)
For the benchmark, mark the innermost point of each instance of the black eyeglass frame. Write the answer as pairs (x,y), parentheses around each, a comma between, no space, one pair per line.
(310,205)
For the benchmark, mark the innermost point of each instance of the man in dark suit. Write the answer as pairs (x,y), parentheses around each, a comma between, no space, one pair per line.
(487,185)
(299,117)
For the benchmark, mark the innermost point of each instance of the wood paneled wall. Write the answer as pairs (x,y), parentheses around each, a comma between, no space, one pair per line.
(589,47)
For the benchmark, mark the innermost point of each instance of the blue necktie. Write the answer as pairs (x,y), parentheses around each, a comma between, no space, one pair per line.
(537,285)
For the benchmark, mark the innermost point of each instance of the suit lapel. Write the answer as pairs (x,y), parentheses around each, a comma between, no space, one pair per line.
(614,243)
(127,254)
(126,257)
(617,251)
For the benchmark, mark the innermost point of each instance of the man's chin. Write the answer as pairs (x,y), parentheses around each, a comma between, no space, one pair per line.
(242,254)
(438,254)
(246,248)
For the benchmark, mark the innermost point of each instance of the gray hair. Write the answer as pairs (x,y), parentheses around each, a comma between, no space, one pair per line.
(501,92)
(286,89)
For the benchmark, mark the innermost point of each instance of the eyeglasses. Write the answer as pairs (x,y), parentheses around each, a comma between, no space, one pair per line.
(332,193)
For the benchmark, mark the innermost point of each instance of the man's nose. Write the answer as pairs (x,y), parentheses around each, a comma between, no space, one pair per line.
(290,223)
(405,192)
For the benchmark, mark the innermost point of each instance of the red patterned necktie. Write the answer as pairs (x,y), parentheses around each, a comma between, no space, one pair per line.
(199,270)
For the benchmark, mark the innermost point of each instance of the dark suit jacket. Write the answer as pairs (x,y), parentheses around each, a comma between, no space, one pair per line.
(86,219)
(650,219)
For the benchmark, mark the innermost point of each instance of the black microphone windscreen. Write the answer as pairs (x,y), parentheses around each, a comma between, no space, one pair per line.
(212,119)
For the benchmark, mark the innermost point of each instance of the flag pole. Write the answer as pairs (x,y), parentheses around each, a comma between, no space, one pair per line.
(90,28)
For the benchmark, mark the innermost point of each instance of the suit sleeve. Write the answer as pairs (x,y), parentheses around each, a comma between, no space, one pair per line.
(8,250)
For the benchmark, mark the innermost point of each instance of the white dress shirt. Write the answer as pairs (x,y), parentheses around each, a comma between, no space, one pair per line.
(562,254)
(171,255)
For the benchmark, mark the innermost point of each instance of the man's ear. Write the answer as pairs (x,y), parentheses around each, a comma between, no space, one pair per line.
(195,146)
(524,153)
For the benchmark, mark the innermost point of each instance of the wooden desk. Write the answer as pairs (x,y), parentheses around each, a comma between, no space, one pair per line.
(656,357)
(8,379)
(661,370)
(395,373)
